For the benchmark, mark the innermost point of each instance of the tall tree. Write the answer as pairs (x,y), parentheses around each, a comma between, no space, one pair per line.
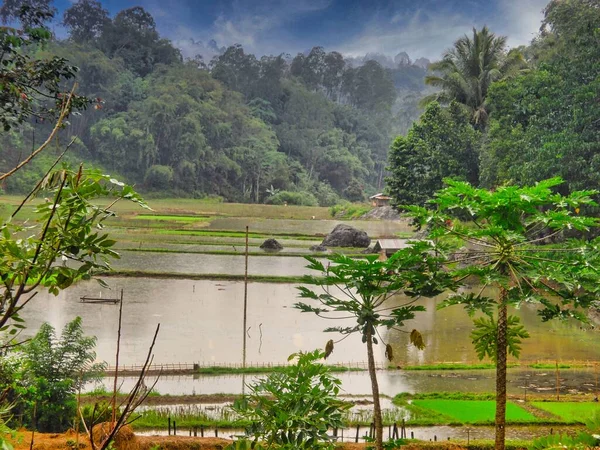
(442,144)
(27,82)
(545,122)
(85,20)
(499,241)
(358,289)
(467,70)
(29,13)
(132,36)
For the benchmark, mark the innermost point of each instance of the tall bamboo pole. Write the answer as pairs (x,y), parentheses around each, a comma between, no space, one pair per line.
(245,302)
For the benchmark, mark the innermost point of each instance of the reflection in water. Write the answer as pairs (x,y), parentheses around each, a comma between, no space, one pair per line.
(201,322)
(447,337)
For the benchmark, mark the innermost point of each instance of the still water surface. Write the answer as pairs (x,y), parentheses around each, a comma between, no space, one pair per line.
(392,382)
(201,321)
(193,263)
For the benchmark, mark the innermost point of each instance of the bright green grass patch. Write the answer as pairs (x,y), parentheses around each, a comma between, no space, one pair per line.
(553,366)
(473,411)
(174,218)
(572,412)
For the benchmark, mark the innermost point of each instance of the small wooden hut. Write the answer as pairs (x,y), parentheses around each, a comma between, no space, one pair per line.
(380,199)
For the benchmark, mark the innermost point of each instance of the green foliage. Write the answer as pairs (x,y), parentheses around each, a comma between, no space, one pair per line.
(28,82)
(52,371)
(467,70)
(293,198)
(581,441)
(499,243)
(294,408)
(485,333)
(363,286)
(544,122)
(65,226)
(347,210)
(85,20)
(159,177)
(442,144)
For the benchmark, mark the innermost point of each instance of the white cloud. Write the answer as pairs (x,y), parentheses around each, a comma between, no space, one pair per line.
(521,19)
(427,33)
(260,26)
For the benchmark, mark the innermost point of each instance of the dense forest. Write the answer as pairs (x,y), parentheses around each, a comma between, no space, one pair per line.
(312,129)
(509,116)
(316,128)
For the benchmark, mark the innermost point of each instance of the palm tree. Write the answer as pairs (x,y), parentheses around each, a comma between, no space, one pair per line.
(467,70)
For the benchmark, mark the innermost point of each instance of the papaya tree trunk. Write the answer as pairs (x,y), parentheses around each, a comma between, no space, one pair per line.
(501,355)
(375,387)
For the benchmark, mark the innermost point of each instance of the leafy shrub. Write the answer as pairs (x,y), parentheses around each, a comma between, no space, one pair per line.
(302,198)
(326,195)
(355,191)
(347,210)
(159,177)
(294,408)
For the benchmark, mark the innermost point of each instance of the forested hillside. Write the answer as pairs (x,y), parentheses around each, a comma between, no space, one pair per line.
(513,116)
(309,130)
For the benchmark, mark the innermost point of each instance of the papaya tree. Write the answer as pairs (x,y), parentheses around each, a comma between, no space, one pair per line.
(514,244)
(362,290)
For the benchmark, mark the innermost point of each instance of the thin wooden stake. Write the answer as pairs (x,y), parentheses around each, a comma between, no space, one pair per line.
(114,396)
(557,383)
(596,373)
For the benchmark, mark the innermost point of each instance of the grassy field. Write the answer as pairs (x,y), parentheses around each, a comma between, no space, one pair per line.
(188,206)
(474,411)
(570,412)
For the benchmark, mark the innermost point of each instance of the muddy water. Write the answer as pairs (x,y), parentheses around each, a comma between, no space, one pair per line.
(237,247)
(216,264)
(439,433)
(201,322)
(394,382)
(375,228)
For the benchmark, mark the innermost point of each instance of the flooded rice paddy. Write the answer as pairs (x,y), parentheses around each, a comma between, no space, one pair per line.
(192,263)
(521,382)
(201,322)
(384,228)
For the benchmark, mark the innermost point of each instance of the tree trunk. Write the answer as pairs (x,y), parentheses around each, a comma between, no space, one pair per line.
(375,386)
(501,355)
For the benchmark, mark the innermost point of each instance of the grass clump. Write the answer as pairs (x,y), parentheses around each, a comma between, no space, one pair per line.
(349,210)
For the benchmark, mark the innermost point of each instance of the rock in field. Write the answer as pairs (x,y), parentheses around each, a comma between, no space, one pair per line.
(271,245)
(346,236)
(318,248)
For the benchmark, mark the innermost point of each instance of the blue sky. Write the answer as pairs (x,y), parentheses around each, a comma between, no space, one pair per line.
(421,28)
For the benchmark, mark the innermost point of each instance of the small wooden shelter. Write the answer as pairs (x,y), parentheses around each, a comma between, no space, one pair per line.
(380,200)
(388,247)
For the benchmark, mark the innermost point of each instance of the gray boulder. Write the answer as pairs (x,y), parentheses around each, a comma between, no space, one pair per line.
(271,245)
(318,248)
(346,236)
